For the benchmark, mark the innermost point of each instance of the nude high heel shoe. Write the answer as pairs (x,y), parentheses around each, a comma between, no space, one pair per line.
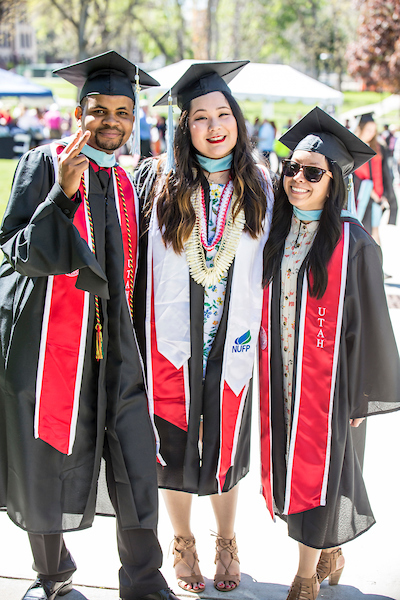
(184,550)
(304,588)
(231,548)
(327,566)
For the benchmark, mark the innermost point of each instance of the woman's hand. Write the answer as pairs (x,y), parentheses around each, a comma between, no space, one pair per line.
(384,203)
(356,422)
(375,197)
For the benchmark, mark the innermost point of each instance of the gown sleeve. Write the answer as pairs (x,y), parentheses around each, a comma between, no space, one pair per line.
(373,367)
(37,235)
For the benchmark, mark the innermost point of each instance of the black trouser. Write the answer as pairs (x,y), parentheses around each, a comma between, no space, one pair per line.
(139,552)
(52,559)
(138,549)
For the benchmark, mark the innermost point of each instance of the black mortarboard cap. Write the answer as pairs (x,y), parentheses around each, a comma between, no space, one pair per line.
(109,73)
(365,118)
(319,132)
(202,78)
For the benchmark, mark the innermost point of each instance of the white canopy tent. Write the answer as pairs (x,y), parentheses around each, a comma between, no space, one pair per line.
(261,82)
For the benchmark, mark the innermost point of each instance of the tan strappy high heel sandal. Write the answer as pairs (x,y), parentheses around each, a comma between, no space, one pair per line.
(231,547)
(327,566)
(183,548)
(304,588)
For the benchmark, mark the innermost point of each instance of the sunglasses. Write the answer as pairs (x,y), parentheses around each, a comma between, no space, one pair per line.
(312,174)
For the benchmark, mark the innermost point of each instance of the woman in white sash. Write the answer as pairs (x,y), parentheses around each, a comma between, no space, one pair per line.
(209,219)
(328,357)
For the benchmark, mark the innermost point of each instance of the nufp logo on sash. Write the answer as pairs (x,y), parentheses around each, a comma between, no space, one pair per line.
(242,343)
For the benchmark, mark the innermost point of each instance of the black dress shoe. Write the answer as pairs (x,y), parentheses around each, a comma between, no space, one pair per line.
(166,594)
(44,589)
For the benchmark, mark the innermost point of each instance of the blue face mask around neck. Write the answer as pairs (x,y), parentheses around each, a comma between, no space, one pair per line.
(213,165)
(307,215)
(100,158)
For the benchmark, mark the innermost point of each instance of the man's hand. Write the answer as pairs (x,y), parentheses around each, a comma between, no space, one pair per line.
(71,164)
(356,422)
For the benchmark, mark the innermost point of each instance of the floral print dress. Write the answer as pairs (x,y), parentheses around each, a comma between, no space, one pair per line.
(214,295)
(297,245)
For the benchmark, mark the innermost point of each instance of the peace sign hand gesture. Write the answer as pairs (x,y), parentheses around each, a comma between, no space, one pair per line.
(72,164)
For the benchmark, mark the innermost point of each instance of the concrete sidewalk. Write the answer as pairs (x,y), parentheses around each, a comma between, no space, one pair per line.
(268,557)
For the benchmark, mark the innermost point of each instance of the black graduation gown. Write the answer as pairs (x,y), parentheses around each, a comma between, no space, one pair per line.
(186,470)
(367,383)
(388,192)
(44,490)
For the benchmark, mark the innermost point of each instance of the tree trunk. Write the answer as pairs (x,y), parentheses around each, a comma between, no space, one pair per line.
(82,40)
(236,36)
(181,32)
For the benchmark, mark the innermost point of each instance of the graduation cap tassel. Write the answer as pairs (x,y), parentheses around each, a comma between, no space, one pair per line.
(99,342)
(351,203)
(170,162)
(135,147)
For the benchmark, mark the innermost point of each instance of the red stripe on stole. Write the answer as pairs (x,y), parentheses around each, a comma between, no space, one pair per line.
(312,438)
(229,416)
(168,384)
(264,349)
(61,355)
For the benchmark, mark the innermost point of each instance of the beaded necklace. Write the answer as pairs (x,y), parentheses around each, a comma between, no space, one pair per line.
(221,217)
(229,231)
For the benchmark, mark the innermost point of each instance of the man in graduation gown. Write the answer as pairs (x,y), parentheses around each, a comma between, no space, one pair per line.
(71,382)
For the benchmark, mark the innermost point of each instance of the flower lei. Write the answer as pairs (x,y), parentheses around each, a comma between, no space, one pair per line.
(228,231)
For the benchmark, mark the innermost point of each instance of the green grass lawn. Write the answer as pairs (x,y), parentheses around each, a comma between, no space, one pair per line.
(7,168)
(60,88)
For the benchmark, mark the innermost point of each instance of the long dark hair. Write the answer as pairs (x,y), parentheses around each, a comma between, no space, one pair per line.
(326,239)
(175,212)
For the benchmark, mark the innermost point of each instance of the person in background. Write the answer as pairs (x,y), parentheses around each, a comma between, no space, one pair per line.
(52,120)
(266,137)
(327,354)
(162,129)
(382,195)
(388,140)
(145,132)
(254,133)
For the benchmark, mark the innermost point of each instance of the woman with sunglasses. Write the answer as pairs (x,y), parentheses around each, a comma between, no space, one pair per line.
(327,353)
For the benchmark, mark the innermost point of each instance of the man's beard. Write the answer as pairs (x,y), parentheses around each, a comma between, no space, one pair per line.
(105,144)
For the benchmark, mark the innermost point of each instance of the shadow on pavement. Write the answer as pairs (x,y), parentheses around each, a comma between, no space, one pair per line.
(347,592)
(250,589)
(75,595)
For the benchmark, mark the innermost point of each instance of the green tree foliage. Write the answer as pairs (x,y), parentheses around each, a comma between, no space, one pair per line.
(79,28)
(375,55)
(310,34)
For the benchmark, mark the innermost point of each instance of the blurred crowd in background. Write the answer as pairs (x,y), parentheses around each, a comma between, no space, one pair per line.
(30,127)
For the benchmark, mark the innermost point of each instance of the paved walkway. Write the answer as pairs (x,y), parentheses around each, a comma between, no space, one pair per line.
(268,557)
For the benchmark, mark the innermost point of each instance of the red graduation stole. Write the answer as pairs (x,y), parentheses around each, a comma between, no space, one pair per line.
(317,359)
(169,399)
(65,334)
(168,386)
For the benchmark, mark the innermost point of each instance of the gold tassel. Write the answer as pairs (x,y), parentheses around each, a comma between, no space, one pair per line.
(99,342)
